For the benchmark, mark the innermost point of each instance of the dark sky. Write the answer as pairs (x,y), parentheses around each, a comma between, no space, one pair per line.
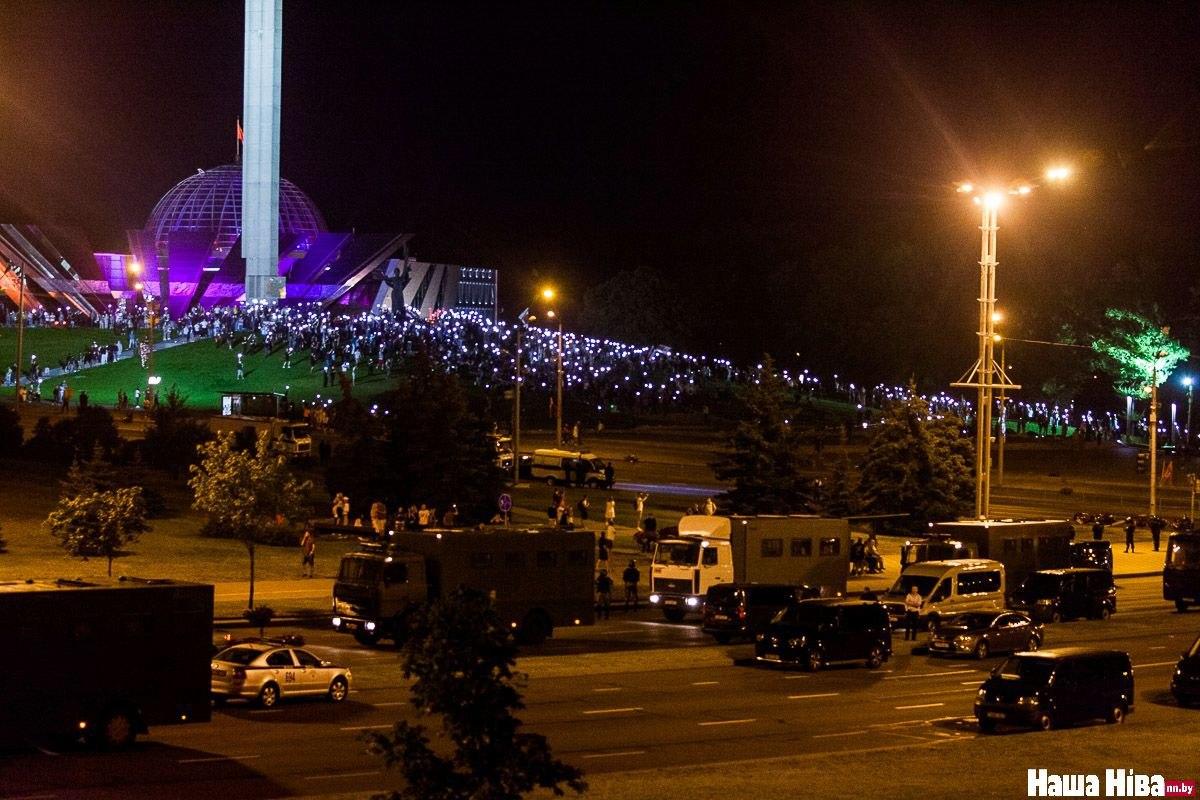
(722,144)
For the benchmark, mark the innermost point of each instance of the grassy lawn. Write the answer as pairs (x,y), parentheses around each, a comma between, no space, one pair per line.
(50,344)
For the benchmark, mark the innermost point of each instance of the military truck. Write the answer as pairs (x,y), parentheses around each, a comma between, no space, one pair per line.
(538,579)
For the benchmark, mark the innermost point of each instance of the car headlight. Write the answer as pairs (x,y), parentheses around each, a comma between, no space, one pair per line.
(693,602)
(981,696)
(654,598)
(796,641)
(965,638)
(370,626)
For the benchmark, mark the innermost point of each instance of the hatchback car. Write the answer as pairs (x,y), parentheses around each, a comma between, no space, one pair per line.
(981,633)
(1058,594)
(814,633)
(266,673)
(1185,683)
(740,610)
(1055,687)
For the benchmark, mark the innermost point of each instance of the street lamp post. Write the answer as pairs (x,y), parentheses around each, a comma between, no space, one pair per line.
(1187,431)
(20,325)
(1003,435)
(1154,435)
(549,294)
(517,401)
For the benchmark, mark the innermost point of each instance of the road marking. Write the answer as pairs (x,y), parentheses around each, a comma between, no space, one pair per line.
(341,775)
(214,758)
(46,752)
(896,724)
(613,710)
(615,632)
(922,705)
(705,683)
(33,796)
(266,710)
(608,689)
(388,705)
(925,694)
(366,727)
(795,677)
(1156,664)
(726,722)
(930,675)
(833,735)
(808,696)
(1160,647)
(615,755)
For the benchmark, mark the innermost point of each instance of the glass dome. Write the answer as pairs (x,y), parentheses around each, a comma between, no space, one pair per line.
(212,200)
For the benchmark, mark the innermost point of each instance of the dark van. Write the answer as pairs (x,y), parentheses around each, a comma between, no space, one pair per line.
(1185,684)
(1181,572)
(740,610)
(1050,688)
(1092,553)
(814,633)
(1058,594)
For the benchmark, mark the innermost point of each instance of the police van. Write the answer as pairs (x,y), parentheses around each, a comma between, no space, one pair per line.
(564,467)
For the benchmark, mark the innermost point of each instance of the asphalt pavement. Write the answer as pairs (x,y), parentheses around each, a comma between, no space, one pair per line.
(628,694)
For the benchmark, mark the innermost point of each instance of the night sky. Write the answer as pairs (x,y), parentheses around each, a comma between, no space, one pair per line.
(789,166)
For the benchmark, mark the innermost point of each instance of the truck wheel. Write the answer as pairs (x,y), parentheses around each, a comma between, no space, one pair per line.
(1105,612)
(268,695)
(117,730)
(674,614)
(338,690)
(1181,606)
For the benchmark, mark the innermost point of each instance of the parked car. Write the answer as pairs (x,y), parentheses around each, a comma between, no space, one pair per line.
(1185,684)
(1057,687)
(814,633)
(1092,553)
(265,672)
(740,610)
(981,633)
(1058,594)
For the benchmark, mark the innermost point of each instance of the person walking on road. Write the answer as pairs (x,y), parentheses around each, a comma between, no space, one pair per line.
(1097,530)
(639,505)
(1156,526)
(1129,527)
(603,594)
(610,511)
(912,613)
(603,546)
(631,577)
(308,554)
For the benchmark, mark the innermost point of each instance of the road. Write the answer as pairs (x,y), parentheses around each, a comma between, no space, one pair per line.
(627,694)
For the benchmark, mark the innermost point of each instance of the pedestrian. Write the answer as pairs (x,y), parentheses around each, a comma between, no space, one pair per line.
(378,517)
(308,553)
(631,577)
(1097,530)
(552,514)
(1129,527)
(450,518)
(639,505)
(603,546)
(336,508)
(710,506)
(1156,522)
(912,613)
(858,553)
(581,508)
(610,511)
(609,474)
(423,516)
(603,594)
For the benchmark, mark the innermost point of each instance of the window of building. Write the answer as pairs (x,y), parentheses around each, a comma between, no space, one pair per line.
(801,548)
(772,548)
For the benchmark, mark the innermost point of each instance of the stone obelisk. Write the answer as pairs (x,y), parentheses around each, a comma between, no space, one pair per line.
(260,160)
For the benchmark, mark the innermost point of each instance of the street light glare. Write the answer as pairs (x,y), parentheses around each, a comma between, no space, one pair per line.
(1024,190)
(1058,173)
(993,199)
(548,293)
(997,316)
(965,187)
(1187,381)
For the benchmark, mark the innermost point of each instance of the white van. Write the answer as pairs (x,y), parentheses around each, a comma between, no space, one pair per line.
(565,467)
(948,588)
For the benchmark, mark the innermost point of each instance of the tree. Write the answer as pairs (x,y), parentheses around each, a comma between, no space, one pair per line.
(99,523)
(12,433)
(245,492)
(763,454)
(429,447)
(917,463)
(461,656)
(175,434)
(1136,350)
(839,495)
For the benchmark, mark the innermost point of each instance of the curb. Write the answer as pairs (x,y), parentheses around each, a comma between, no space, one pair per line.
(242,622)
(1154,574)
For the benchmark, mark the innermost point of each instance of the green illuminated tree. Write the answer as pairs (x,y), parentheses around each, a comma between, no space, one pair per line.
(99,524)
(460,657)
(1130,348)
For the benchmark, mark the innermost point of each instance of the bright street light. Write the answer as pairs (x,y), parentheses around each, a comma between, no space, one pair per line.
(1060,173)
(548,293)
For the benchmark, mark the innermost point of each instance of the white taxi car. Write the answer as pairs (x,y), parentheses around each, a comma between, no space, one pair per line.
(266,672)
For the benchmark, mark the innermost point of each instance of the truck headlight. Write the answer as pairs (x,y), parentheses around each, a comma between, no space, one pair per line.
(654,598)
(337,622)
(693,602)
(370,626)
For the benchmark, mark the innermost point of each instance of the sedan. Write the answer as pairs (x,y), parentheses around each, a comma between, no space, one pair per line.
(981,633)
(266,673)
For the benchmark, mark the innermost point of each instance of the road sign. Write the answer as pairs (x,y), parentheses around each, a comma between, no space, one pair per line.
(505,503)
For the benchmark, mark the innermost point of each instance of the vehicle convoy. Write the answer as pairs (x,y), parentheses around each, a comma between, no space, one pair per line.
(740,610)
(1055,687)
(1022,546)
(814,633)
(948,588)
(537,579)
(268,670)
(1185,683)
(564,468)
(103,659)
(712,550)
(1181,572)
(1058,594)
(981,633)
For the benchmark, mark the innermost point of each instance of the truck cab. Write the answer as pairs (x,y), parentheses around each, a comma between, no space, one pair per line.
(375,590)
(293,439)
(687,566)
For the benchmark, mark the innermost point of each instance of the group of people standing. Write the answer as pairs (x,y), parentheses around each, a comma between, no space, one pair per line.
(414,518)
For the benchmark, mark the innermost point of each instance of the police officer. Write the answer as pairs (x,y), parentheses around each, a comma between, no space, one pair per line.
(1156,526)
(603,594)
(1129,527)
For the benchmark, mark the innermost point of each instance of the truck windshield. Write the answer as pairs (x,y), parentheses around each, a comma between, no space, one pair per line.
(677,553)
(1184,554)
(359,570)
(925,584)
